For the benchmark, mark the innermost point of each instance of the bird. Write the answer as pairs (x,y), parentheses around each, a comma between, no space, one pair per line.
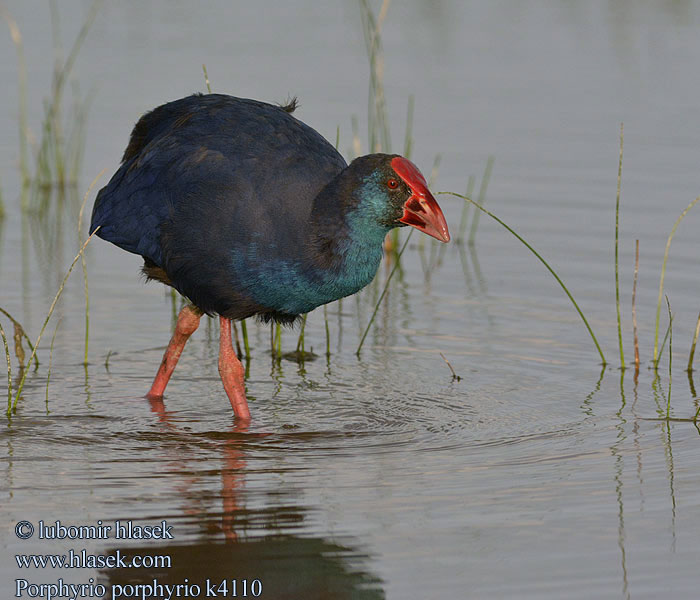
(247,211)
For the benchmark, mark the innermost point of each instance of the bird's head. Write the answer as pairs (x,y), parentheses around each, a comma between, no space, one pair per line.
(393,192)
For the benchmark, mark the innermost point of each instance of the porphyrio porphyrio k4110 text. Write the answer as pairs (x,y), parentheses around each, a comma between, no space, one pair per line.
(245,210)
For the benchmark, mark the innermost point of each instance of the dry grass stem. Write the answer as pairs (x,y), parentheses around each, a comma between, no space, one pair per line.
(9,367)
(48,316)
(455,377)
(693,345)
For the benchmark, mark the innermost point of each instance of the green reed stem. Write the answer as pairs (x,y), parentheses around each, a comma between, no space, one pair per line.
(543,261)
(663,345)
(408,140)
(663,274)
(246,344)
(670,356)
(76,139)
(421,242)
(278,341)
(52,141)
(384,291)
(300,341)
(22,76)
(237,340)
(9,367)
(377,114)
(693,344)
(48,374)
(465,210)
(482,198)
(634,305)
(617,228)
(206,77)
(48,316)
(84,265)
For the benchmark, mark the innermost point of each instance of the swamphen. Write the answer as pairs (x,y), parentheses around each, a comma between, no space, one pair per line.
(245,210)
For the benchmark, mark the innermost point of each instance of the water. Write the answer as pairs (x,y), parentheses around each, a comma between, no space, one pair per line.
(537,475)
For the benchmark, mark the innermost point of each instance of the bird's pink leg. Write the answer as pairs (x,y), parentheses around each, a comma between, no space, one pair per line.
(231,371)
(187,323)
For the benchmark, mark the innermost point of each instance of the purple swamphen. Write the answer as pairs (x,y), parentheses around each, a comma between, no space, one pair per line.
(245,210)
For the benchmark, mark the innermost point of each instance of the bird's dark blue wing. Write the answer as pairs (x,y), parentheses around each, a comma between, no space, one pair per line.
(207,177)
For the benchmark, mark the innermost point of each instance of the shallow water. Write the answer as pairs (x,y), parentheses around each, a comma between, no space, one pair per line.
(537,475)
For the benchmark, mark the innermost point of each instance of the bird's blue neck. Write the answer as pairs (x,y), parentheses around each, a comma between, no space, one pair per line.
(349,223)
(343,249)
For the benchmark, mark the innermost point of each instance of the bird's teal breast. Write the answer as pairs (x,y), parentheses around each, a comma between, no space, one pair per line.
(292,287)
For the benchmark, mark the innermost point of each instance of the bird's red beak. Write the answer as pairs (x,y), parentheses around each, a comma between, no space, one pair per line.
(421,210)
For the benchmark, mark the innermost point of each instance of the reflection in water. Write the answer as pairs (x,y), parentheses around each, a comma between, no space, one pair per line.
(669,464)
(288,566)
(616,451)
(587,404)
(693,393)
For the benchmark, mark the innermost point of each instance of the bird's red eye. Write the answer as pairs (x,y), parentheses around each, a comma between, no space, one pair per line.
(392,184)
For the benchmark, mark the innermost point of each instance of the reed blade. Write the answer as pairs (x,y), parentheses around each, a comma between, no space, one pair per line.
(485,178)
(693,345)
(384,291)
(663,274)
(543,261)
(48,316)
(9,367)
(617,228)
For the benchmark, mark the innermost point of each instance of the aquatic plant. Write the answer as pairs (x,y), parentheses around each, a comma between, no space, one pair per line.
(59,154)
(656,353)
(12,407)
(617,228)
(543,261)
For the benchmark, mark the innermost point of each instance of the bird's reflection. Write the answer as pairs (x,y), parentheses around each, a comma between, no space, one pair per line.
(241,541)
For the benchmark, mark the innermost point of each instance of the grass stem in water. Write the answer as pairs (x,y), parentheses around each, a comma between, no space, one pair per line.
(693,344)
(384,291)
(465,210)
(634,305)
(617,228)
(48,374)
(670,356)
(455,377)
(300,341)
(544,262)
(246,343)
(482,198)
(85,274)
(206,78)
(9,367)
(19,331)
(20,386)
(663,274)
